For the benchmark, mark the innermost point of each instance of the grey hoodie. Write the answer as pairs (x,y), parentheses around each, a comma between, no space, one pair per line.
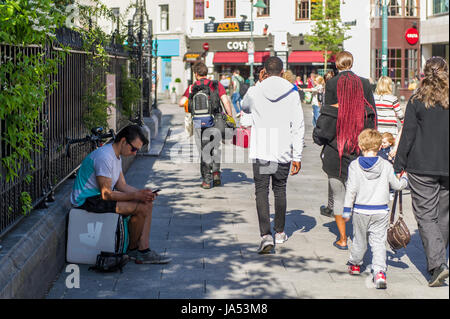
(367,188)
(277,126)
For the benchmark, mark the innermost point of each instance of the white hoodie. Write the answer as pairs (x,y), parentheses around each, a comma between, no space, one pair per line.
(278,128)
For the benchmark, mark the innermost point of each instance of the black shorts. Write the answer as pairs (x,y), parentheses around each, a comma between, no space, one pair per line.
(96,204)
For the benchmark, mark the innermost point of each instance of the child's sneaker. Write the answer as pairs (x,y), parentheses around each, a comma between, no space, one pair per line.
(353,269)
(380,280)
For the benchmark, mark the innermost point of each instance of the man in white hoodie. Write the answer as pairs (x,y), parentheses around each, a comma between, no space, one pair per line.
(276,141)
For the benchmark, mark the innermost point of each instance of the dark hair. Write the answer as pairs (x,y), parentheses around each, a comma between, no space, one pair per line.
(273,65)
(201,69)
(131,132)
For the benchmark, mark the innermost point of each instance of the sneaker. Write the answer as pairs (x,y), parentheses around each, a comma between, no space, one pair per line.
(266,245)
(151,257)
(325,211)
(380,280)
(216,179)
(353,269)
(281,238)
(132,254)
(206,185)
(439,275)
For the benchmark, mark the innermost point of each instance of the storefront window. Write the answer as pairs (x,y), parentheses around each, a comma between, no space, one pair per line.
(265,12)
(302,10)
(410,65)
(230,9)
(440,6)
(199,9)
(394,64)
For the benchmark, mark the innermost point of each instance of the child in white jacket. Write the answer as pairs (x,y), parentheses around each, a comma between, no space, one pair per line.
(367,196)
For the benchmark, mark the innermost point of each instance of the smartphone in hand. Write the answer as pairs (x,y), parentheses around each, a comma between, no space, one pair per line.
(156,191)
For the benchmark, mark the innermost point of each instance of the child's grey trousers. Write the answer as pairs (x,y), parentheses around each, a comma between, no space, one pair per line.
(374,229)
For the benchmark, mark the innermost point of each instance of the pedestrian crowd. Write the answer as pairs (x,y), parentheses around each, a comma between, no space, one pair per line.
(370,149)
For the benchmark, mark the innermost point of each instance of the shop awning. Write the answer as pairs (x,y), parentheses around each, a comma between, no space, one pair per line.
(308,57)
(239,57)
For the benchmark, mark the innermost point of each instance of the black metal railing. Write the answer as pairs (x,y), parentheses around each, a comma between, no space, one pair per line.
(60,118)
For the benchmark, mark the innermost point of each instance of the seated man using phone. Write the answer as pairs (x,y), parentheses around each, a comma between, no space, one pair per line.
(100,187)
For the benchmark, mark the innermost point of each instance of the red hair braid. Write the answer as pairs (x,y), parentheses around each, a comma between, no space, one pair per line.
(352,113)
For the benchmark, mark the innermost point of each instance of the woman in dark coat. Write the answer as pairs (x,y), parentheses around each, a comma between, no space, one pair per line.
(423,152)
(349,108)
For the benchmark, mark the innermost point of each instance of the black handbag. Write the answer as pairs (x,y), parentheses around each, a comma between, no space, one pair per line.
(398,235)
(110,262)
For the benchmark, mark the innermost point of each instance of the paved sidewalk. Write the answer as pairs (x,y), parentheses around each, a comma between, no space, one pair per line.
(212,236)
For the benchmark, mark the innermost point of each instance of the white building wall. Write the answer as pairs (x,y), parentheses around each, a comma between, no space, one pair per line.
(359,43)
(282,20)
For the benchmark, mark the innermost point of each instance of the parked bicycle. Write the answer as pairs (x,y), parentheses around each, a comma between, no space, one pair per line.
(96,139)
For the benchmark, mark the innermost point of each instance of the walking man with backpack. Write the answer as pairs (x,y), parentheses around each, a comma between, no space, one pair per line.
(276,142)
(205,98)
(237,81)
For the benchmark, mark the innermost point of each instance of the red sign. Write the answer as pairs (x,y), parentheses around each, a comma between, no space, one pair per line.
(412,36)
(206,46)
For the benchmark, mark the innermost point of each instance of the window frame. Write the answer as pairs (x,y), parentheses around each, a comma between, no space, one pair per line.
(440,13)
(161,20)
(195,2)
(267,2)
(308,10)
(225,9)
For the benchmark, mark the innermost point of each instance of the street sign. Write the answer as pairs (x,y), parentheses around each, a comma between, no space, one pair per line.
(251,47)
(206,46)
(412,36)
(251,58)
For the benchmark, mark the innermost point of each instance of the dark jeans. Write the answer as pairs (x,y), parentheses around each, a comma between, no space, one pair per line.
(208,141)
(263,172)
(430,195)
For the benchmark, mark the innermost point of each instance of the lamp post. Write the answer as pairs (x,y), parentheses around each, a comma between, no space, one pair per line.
(384,39)
(251,48)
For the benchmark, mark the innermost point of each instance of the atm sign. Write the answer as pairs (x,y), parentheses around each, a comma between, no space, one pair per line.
(412,36)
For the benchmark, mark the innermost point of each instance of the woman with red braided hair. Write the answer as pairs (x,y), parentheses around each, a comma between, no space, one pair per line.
(348,109)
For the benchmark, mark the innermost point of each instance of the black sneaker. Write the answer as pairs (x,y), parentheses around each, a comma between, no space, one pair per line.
(439,275)
(325,211)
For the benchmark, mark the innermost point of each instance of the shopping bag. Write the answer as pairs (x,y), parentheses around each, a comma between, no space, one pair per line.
(242,137)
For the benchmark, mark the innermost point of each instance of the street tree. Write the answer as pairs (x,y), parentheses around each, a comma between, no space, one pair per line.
(328,33)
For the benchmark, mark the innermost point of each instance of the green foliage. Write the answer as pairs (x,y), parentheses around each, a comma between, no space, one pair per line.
(328,33)
(26,204)
(97,63)
(25,81)
(130,93)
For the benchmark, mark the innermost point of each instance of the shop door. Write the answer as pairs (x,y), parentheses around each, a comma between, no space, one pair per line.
(166,73)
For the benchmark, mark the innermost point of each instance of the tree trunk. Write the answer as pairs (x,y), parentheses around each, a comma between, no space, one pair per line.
(325,63)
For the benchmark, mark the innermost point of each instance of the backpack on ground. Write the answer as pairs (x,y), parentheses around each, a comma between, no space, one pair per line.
(110,262)
(204,103)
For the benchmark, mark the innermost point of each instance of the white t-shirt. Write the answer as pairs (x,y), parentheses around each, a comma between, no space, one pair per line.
(101,162)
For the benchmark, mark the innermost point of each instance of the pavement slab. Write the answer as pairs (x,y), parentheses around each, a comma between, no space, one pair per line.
(212,236)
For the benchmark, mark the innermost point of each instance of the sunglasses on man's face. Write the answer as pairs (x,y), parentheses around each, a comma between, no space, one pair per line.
(133,148)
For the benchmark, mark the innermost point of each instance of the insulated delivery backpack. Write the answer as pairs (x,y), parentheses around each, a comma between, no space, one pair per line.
(204,104)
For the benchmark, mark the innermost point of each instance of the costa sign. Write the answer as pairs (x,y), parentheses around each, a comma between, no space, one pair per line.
(237,45)
(412,36)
